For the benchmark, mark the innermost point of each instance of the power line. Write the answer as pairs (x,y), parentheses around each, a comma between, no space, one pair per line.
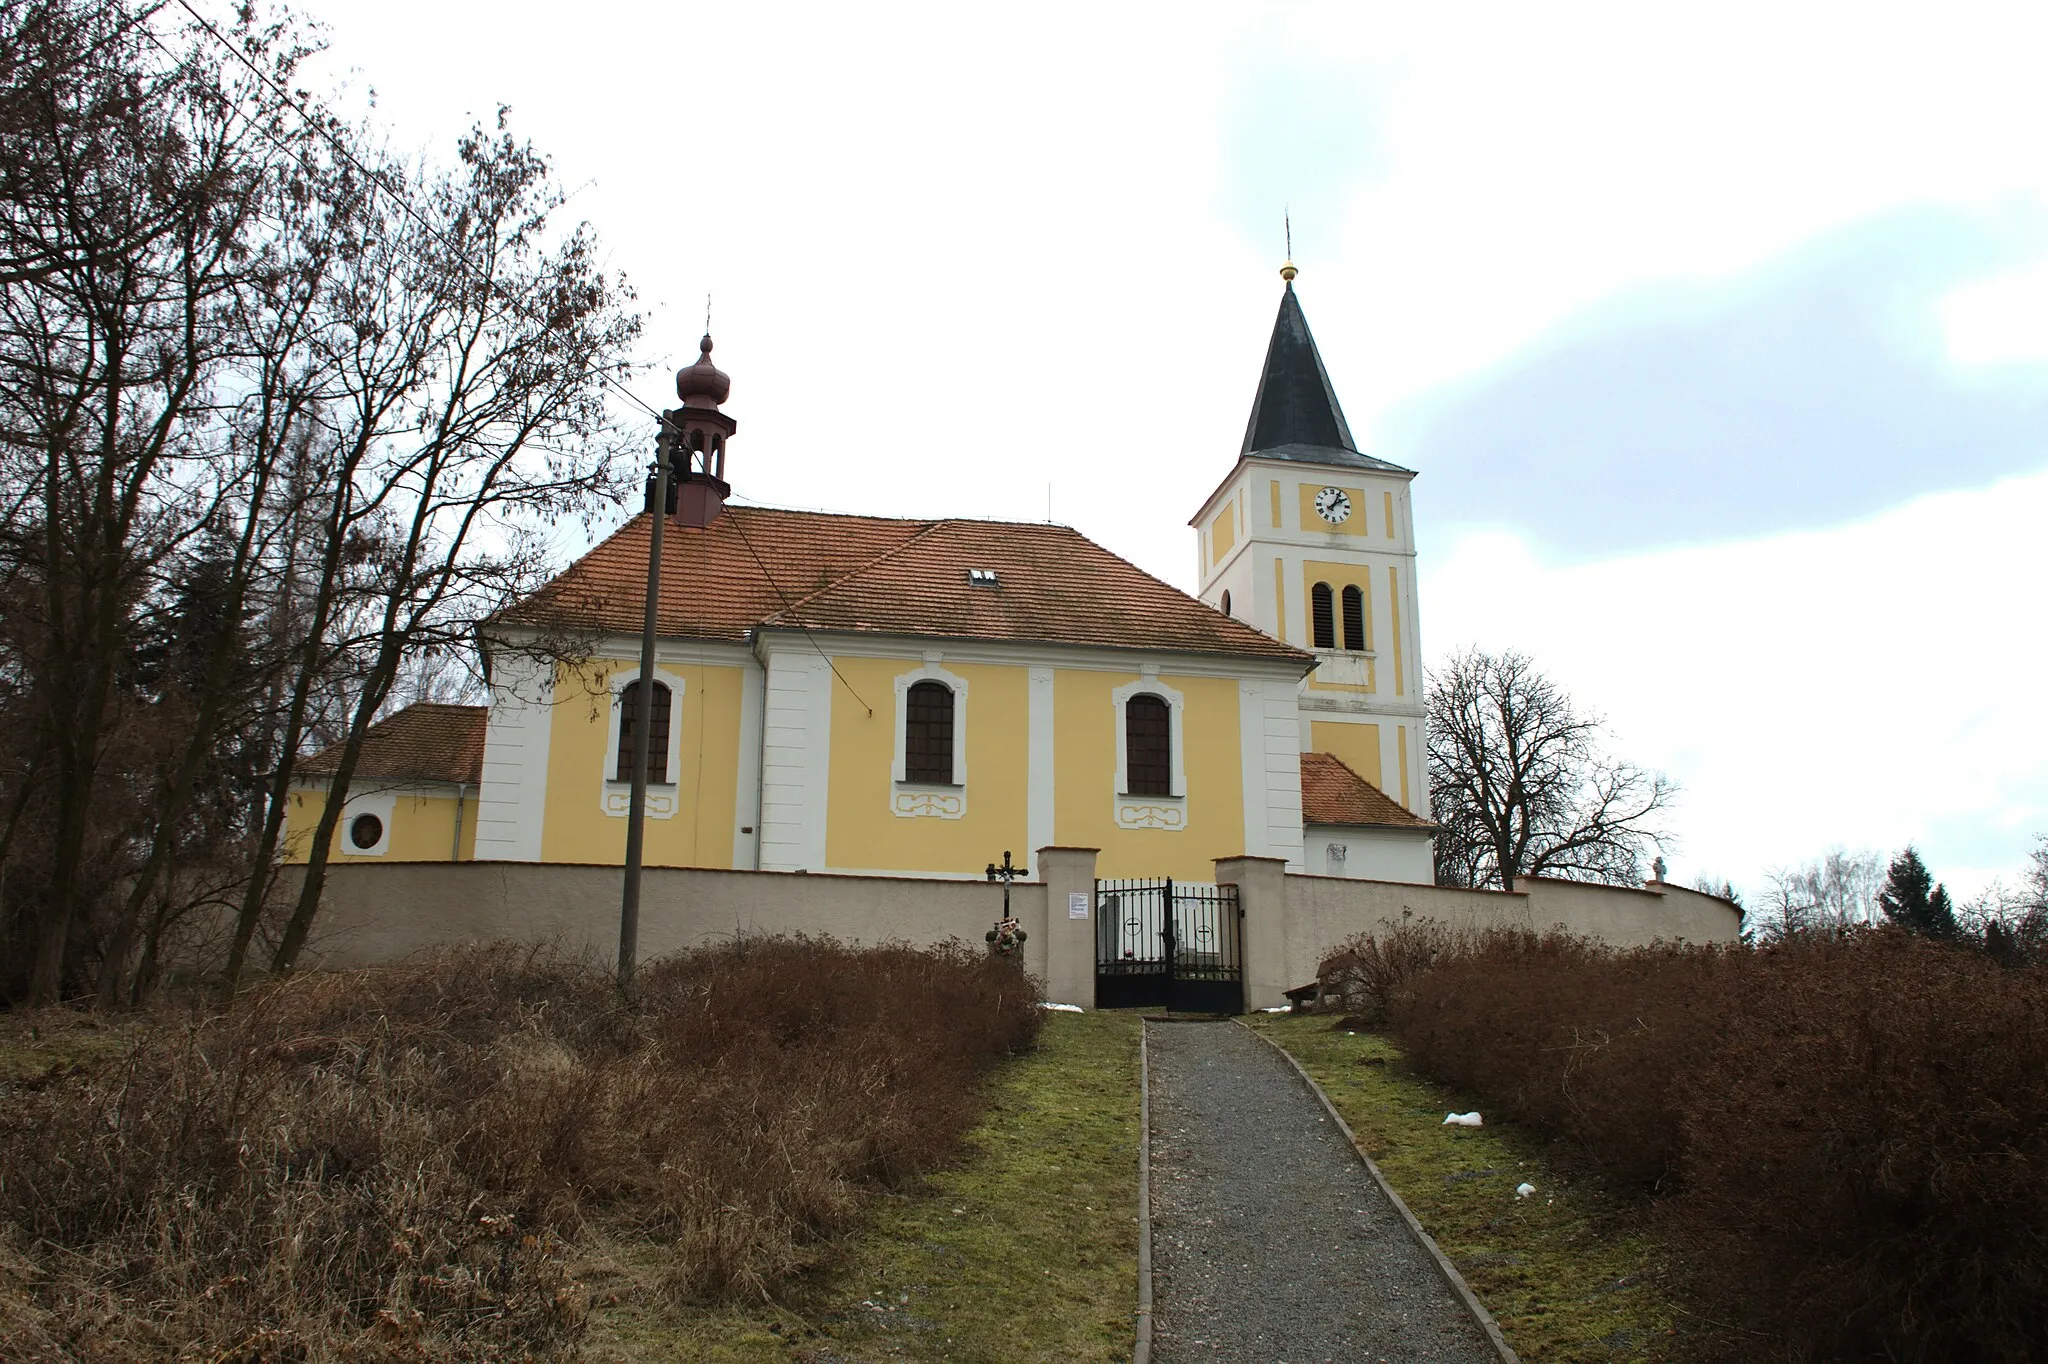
(739,524)
(513,303)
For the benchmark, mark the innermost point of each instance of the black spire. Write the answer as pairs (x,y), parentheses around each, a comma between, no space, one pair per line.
(1296,405)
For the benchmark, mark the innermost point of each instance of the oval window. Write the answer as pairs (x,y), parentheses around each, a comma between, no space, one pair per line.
(1226,601)
(366,831)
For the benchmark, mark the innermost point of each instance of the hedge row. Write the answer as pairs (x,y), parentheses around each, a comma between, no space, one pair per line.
(1846,1136)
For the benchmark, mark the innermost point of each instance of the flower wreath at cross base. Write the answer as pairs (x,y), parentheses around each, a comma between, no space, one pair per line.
(1006,938)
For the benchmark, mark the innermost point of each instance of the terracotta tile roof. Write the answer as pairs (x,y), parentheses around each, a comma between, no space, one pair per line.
(880,575)
(1332,793)
(426,741)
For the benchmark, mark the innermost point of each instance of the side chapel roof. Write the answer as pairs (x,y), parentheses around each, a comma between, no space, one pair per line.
(1332,793)
(769,567)
(426,741)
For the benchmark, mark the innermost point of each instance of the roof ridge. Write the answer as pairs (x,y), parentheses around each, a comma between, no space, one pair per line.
(856,570)
(870,516)
(1241,624)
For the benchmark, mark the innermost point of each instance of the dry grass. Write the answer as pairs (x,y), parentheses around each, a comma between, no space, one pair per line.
(393,1164)
(1024,1251)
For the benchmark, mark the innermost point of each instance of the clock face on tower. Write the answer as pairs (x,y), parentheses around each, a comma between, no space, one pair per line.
(1333,505)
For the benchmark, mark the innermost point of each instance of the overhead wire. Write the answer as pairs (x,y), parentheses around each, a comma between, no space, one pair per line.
(789,607)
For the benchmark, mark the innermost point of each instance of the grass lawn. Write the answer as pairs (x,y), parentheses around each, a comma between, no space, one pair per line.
(42,1046)
(1569,1272)
(1027,1251)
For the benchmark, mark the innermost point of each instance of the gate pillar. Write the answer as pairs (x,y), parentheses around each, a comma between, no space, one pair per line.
(1069,942)
(1262,894)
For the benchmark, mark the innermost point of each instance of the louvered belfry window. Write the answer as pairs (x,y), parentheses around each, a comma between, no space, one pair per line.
(657,734)
(1354,618)
(928,734)
(1148,747)
(1321,616)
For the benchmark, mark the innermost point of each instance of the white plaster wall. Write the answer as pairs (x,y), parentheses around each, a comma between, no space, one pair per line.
(1370,854)
(401,908)
(1237,575)
(1626,917)
(1323,911)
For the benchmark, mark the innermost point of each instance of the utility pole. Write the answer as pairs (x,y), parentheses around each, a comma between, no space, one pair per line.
(643,717)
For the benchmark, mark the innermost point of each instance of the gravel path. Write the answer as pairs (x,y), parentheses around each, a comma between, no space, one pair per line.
(1270,1242)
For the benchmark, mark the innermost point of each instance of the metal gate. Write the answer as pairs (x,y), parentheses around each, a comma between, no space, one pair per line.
(1172,944)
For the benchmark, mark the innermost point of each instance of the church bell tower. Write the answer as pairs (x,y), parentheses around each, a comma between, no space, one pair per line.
(693,441)
(1312,541)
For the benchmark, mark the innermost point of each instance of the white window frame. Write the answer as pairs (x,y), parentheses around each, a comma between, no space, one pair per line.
(929,800)
(381,803)
(615,797)
(1151,812)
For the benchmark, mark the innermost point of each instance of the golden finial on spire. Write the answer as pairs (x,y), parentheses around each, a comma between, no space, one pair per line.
(1287,271)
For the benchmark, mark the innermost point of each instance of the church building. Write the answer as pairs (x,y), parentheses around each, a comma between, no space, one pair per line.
(914,697)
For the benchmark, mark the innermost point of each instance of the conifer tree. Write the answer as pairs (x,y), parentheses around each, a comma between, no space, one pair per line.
(1912,899)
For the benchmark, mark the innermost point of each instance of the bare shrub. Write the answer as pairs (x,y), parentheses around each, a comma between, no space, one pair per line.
(1869,1136)
(1856,1118)
(393,1163)
(1359,977)
(1562,1033)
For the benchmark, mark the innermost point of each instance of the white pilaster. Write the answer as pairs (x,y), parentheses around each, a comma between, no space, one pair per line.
(796,763)
(746,827)
(1039,804)
(511,799)
(1283,748)
(1251,754)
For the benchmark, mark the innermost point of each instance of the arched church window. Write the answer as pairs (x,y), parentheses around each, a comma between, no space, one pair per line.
(1354,618)
(1226,601)
(1321,617)
(657,732)
(928,733)
(1148,746)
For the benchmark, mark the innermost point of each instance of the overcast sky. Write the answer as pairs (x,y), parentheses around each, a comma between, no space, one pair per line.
(1718,335)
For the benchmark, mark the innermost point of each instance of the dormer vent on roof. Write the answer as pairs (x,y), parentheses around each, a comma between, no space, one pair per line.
(982,577)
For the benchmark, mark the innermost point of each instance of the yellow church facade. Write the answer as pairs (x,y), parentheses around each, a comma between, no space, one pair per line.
(992,713)
(870,695)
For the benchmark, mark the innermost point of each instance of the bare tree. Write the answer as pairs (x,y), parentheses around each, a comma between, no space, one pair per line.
(2011,920)
(282,421)
(1520,785)
(140,180)
(1835,891)
(469,416)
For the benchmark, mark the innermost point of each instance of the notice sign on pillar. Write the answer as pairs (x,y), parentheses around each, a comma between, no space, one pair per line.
(1077,905)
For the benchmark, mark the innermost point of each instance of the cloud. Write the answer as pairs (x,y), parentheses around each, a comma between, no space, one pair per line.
(1866,685)
(1811,391)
